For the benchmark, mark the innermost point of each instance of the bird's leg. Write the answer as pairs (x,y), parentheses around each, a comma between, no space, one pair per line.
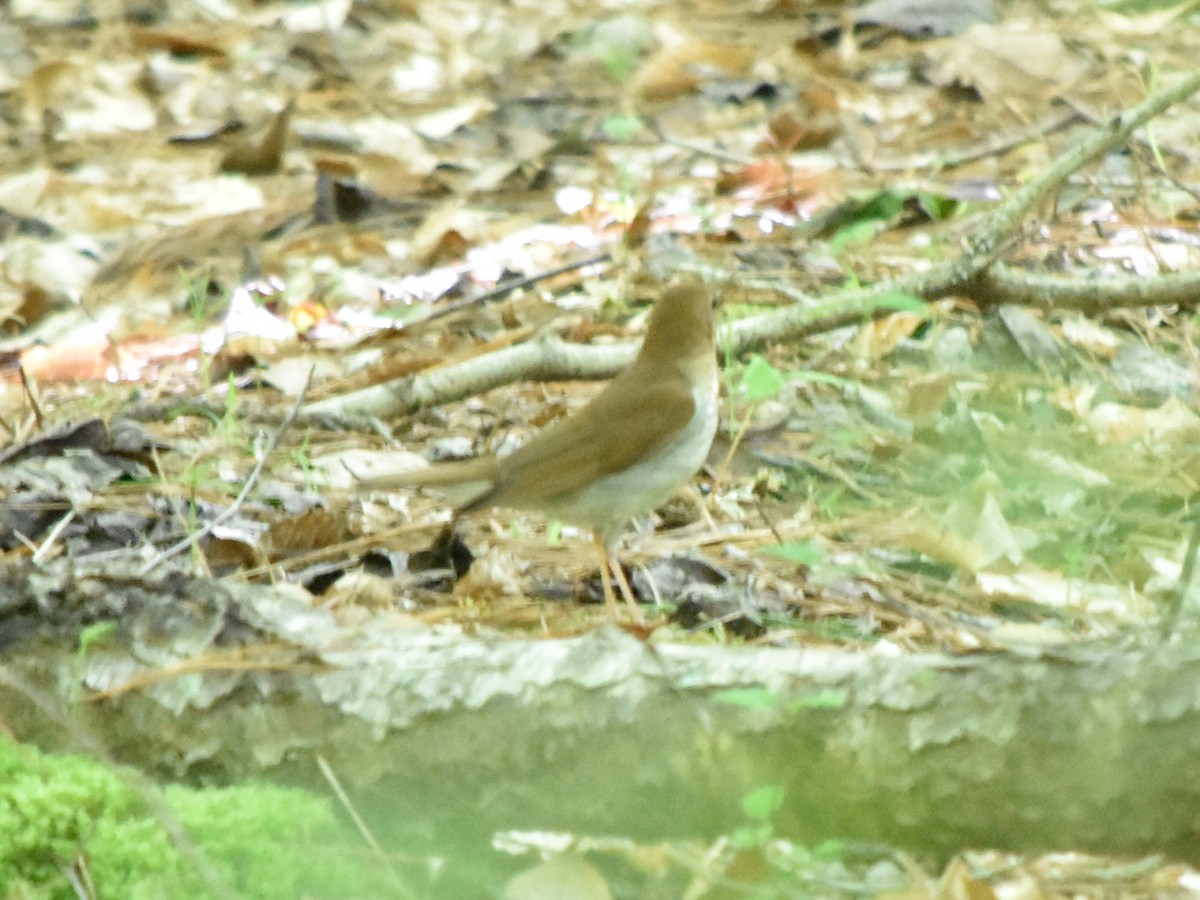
(701,507)
(610,602)
(609,568)
(626,591)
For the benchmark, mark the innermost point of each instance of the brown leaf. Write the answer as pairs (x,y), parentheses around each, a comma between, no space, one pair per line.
(1010,60)
(313,529)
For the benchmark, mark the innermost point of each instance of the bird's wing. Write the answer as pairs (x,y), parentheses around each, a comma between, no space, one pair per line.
(556,460)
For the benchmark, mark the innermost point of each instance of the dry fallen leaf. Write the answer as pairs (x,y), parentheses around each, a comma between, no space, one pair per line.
(1015,60)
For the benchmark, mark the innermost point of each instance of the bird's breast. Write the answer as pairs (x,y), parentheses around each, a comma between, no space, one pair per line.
(611,501)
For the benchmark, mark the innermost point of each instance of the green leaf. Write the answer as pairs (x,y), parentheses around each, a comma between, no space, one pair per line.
(618,44)
(936,206)
(760,379)
(622,128)
(856,233)
(763,802)
(830,850)
(95,633)
(805,553)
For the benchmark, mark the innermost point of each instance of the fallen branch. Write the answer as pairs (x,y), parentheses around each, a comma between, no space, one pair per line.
(553,360)
(1092,293)
(1086,747)
(982,248)
(545,358)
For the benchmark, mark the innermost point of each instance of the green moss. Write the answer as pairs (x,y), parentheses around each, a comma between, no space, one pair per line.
(265,841)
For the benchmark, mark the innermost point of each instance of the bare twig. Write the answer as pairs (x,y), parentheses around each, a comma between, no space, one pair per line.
(993,147)
(1088,114)
(504,288)
(32,394)
(364,829)
(52,538)
(995,230)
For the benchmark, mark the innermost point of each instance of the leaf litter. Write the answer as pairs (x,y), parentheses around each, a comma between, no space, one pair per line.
(196,208)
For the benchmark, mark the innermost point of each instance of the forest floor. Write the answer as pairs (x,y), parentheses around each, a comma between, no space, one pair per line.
(228,225)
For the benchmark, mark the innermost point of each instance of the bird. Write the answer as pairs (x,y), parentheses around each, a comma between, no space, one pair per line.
(620,456)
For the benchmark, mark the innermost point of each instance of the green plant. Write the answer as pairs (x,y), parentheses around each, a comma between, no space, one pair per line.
(755,381)
(621,127)
(759,806)
(805,553)
(64,811)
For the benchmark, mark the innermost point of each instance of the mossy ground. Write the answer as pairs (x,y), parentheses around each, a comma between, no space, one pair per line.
(59,811)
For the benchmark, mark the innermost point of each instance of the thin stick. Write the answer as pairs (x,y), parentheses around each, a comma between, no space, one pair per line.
(993,147)
(982,248)
(31,393)
(504,288)
(43,551)
(199,535)
(336,786)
